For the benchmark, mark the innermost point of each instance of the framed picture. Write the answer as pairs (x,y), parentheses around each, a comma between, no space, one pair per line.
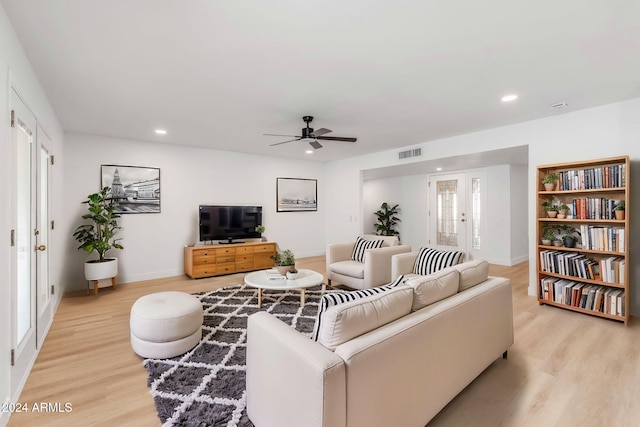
(135,189)
(296,195)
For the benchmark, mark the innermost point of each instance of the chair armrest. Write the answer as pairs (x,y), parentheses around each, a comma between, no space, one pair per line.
(377,264)
(291,379)
(402,264)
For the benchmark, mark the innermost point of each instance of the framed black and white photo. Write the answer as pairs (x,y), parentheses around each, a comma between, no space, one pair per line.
(135,189)
(296,195)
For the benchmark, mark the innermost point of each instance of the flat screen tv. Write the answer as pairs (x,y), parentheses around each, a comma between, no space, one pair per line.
(229,222)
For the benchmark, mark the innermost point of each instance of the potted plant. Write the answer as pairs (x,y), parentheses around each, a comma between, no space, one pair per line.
(260,229)
(99,235)
(284,261)
(619,209)
(293,273)
(387,219)
(548,235)
(549,181)
(550,207)
(562,211)
(568,239)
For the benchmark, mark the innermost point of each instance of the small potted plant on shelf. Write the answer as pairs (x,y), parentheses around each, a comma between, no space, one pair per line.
(548,235)
(619,209)
(284,261)
(549,181)
(99,235)
(568,238)
(550,207)
(562,211)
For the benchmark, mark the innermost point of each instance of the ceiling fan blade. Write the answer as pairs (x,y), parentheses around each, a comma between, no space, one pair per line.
(276,134)
(321,131)
(315,144)
(284,142)
(337,138)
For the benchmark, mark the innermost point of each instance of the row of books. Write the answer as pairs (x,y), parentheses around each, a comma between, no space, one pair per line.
(598,298)
(602,238)
(575,264)
(593,178)
(593,208)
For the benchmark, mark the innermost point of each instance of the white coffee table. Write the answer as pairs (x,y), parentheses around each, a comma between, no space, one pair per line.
(305,279)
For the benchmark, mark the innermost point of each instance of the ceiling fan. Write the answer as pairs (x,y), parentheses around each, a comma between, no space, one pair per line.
(312,135)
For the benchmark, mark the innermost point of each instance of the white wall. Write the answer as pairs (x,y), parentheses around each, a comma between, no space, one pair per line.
(606,131)
(16,69)
(519,214)
(188,177)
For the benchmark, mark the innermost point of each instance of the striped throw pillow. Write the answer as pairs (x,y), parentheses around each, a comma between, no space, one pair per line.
(430,260)
(335,298)
(362,245)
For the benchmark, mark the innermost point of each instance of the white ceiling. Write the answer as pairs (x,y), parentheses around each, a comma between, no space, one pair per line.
(219,74)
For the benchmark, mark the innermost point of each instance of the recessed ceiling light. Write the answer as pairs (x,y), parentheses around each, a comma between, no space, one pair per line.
(509,98)
(438,169)
(309,151)
(161,131)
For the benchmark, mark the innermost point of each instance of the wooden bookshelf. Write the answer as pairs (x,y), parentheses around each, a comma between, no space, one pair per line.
(587,277)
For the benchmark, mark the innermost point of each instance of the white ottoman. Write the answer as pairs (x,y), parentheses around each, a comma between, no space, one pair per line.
(165,324)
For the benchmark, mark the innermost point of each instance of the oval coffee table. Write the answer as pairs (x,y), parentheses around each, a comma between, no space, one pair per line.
(270,279)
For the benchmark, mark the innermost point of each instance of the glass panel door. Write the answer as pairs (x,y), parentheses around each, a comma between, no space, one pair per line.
(447,212)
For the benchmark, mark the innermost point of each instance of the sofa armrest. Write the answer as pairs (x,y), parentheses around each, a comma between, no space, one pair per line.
(402,264)
(377,264)
(291,379)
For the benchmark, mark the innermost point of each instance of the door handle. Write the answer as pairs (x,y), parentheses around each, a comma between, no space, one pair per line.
(40,248)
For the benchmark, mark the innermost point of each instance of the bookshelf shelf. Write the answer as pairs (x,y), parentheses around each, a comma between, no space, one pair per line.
(572,277)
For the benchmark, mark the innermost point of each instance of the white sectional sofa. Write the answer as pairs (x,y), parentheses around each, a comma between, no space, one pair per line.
(409,362)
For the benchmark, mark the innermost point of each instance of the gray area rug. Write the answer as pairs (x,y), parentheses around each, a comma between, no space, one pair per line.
(206,386)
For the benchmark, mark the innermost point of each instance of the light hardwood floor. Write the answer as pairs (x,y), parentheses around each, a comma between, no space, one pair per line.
(564,369)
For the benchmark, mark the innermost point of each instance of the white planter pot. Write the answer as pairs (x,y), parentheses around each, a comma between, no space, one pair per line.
(94,270)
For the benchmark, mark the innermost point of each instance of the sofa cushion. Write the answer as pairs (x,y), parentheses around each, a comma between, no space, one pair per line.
(430,260)
(362,245)
(335,298)
(433,287)
(472,273)
(343,322)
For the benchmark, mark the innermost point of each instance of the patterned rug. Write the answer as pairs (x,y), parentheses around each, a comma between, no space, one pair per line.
(206,386)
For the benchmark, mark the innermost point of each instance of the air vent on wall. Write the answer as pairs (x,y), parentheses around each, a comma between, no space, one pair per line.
(415,152)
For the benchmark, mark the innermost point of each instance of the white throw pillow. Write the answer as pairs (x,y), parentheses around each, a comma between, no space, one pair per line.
(335,298)
(434,287)
(344,322)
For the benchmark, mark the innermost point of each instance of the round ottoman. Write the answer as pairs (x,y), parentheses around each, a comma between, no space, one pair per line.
(165,324)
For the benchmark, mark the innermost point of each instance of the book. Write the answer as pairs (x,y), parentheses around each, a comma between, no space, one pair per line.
(273,274)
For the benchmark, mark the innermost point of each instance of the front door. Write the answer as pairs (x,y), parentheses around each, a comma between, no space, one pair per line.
(457,206)
(447,212)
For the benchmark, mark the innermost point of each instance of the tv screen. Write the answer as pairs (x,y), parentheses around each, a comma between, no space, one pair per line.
(229,222)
